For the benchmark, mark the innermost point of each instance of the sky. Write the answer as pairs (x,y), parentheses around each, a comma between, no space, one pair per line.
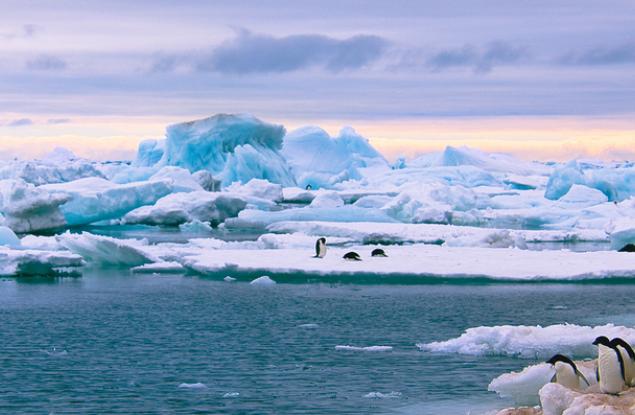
(549,80)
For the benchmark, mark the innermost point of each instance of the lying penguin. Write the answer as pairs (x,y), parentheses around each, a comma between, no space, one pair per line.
(567,373)
(610,371)
(628,356)
(378,252)
(352,256)
(320,248)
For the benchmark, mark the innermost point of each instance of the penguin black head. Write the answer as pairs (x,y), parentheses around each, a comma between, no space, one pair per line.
(323,240)
(603,340)
(309,187)
(352,256)
(560,358)
(378,252)
(621,342)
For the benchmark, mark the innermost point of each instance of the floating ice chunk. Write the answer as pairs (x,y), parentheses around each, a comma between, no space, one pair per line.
(530,342)
(229,279)
(364,349)
(264,280)
(622,233)
(103,250)
(178,208)
(42,243)
(321,161)
(8,238)
(167,267)
(233,147)
(195,226)
(258,188)
(34,262)
(309,326)
(495,239)
(229,395)
(27,208)
(94,199)
(327,200)
(380,395)
(197,385)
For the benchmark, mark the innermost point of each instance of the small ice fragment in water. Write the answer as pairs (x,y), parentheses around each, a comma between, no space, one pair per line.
(229,279)
(379,395)
(264,280)
(559,307)
(197,385)
(55,352)
(309,326)
(231,395)
(365,349)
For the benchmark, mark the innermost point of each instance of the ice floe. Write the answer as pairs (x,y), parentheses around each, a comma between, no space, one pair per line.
(364,348)
(530,342)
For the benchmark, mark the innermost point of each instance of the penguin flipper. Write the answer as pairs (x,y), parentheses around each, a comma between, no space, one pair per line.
(580,374)
(553,379)
(597,373)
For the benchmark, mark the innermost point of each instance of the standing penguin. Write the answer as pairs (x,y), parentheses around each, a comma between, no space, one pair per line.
(567,373)
(628,356)
(610,367)
(320,248)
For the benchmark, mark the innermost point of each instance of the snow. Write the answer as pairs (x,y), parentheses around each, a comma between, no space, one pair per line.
(232,147)
(179,208)
(320,160)
(584,195)
(424,261)
(179,178)
(94,199)
(258,188)
(530,342)
(327,200)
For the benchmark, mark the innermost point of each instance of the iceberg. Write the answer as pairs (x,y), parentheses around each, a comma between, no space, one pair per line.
(616,183)
(58,167)
(231,147)
(149,153)
(320,160)
(105,251)
(180,208)
(8,238)
(26,262)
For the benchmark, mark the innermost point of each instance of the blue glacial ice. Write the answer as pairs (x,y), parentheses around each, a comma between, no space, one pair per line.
(231,147)
(320,160)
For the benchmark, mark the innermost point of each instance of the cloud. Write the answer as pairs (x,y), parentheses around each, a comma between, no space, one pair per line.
(480,60)
(616,55)
(54,121)
(21,122)
(46,63)
(25,31)
(256,53)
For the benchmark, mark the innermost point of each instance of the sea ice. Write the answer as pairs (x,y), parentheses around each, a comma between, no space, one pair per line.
(264,280)
(104,251)
(15,262)
(530,342)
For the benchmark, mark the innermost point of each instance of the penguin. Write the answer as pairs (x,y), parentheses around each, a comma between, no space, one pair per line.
(378,252)
(628,356)
(567,373)
(610,367)
(627,248)
(320,248)
(308,187)
(352,256)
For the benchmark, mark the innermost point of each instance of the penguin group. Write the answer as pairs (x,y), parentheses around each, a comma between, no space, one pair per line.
(615,367)
(320,252)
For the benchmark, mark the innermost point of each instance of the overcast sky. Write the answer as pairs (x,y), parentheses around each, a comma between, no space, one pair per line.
(405,73)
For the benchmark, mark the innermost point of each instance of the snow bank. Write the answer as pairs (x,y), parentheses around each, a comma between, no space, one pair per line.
(232,147)
(94,199)
(322,161)
(530,342)
(179,208)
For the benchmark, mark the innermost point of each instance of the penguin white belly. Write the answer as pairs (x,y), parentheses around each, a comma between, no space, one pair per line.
(629,371)
(611,380)
(566,377)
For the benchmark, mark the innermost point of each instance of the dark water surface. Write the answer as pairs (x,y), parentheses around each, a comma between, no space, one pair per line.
(111,342)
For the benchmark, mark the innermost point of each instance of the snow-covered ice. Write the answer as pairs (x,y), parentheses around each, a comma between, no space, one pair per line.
(530,342)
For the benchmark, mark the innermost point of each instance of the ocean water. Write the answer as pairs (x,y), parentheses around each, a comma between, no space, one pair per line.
(112,342)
